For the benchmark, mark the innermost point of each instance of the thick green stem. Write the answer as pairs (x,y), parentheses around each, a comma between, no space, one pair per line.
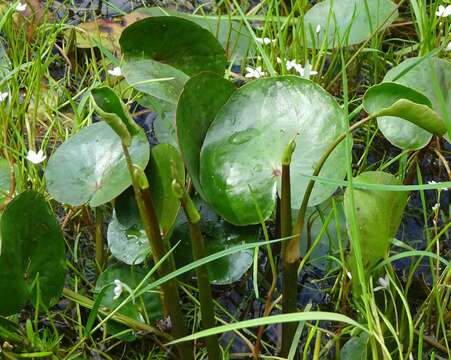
(290,274)
(152,229)
(293,254)
(100,251)
(203,281)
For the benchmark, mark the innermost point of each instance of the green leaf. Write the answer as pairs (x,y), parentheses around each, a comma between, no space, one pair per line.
(347,22)
(128,243)
(90,166)
(240,163)
(355,348)
(200,101)
(126,237)
(218,236)
(378,216)
(32,253)
(274,319)
(114,113)
(4,180)
(232,34)
(401,102)
(420,75)
(173,48)
(145,306)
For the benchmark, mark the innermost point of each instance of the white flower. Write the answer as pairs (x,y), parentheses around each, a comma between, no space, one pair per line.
(448,48)
(254,73)
(432,182)
(118,289)
(443,12)
(436,207)
(384,283)
(115,72)
(265,40)
(21,7)
(291,64)
(318,28)
(3,96)
(279,60)
(36,158)
(349,275)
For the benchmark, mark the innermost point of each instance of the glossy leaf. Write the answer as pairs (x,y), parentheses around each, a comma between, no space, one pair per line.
(128,243)
(420,75)
(126,236)
(200,101)
(232,34)
(173,50)
(147,304)
(32,254)
(347,22)
(378,216)
(395,100)
(90,166)
(218,236)
(240,163)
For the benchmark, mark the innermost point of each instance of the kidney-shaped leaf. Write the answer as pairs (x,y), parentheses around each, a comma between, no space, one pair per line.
(218,236)
(90,166)
(32,254)
(200,101)
(348,22)
(240,163)
(401,102)
(231,33)
(165,47)
(147,305)
(378,216)
(430,77)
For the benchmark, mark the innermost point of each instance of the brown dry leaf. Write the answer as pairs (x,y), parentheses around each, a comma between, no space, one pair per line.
(105,32)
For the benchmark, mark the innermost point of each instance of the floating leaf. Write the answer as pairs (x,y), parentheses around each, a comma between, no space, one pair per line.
(348,22)
(420,75)
(126,237)
(32,254)
(355,348)
(240,162)
(378,216)
(200,101)
(4,180)
(218,236)
(232,34)
(401,103)
(174,49)
(146,306)
(329,242)
(90,166)
(127,243)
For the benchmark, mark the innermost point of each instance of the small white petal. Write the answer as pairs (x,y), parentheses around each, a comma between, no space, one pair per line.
(115,72)
(3,96)
(21,7)
(349,275)
(436,207)
(36,158)
(443,12)
(432,182)
(254,73)
(448,48)
(117,289)
(265,41)
(279,60)
(318,28)
(384,282)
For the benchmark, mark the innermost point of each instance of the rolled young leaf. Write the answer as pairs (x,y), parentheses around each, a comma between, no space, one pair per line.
(392,99)
(114,113)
